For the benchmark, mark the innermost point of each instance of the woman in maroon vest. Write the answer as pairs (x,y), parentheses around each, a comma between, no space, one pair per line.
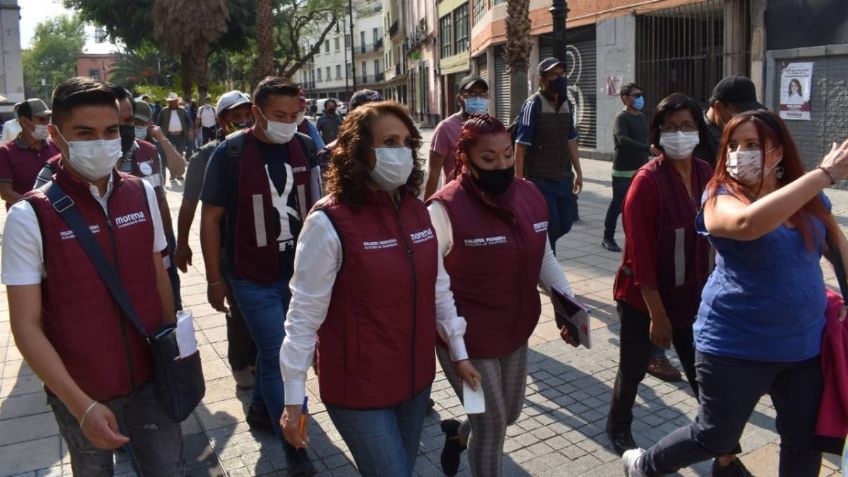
(492,233)
(665,263)
(370,288)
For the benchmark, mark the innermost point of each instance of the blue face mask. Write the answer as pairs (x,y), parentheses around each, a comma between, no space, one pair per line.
(476,105)
(639,103)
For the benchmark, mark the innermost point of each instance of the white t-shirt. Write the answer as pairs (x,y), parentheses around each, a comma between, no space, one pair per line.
(175,125)
(207,116)
(22,262)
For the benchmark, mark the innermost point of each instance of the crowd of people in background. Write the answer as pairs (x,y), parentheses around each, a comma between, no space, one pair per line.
(330,244)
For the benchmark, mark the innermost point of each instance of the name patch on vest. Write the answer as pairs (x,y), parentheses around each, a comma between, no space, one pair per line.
(69,234)
(130,219)
(540,226)
(486,241)
(422,236)
(299,169)
(379,244)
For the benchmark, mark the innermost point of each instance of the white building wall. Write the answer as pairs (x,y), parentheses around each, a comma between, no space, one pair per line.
(12,77)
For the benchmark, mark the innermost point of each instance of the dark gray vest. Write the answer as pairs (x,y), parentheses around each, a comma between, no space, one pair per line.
(550,157)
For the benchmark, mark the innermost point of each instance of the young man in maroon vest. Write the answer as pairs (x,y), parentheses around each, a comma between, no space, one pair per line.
(97,369)
(259,185)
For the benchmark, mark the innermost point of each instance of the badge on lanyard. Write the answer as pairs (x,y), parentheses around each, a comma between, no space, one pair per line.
(145,168)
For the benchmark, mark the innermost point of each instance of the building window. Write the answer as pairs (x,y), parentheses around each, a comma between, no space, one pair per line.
(445,37)
(326,46)
(329,77)
(479,10)
(317,48)
(99,34)
(319,75)
(94,74)
(375,33)
(364,67)
(337,44)
(460,19)
(338,72)
(362,40)
(377,66)
(350,70)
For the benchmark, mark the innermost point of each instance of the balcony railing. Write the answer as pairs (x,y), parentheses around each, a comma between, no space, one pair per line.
(370,79)
(394,28)
(369,47)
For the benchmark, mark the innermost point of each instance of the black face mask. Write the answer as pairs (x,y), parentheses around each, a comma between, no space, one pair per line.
(496,181)
(127,137)
(558,85)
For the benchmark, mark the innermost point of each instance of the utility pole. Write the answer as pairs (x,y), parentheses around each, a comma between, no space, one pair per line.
(559,12)
(352,49)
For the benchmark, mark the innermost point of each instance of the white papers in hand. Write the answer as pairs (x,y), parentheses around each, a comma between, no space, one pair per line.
(474,401)
(186,341)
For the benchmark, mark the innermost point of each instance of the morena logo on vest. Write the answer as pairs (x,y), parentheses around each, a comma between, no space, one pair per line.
(539,227)
(130,219)
(422,236)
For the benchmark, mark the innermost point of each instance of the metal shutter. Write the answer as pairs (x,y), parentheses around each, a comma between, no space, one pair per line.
(582,93)
(501,86)
(483,67)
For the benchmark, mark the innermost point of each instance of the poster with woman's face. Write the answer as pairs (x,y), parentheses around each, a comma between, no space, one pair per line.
(796,80)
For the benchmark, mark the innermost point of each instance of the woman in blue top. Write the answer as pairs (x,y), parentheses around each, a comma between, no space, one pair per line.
(761,317)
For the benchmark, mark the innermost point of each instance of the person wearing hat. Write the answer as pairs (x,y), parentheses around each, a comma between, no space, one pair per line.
(206,121)
(232,114)
(473,98)
(546,147)
(146,130)
(732,95)
(22,158)
(175,122)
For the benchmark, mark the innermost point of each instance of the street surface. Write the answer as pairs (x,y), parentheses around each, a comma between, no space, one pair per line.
(560,432)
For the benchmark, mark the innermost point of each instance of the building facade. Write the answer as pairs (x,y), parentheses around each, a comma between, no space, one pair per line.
(98,55)
(422,40)
(329,74)
(12,77)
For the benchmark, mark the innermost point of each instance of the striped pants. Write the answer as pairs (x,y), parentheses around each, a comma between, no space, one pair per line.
(504,380)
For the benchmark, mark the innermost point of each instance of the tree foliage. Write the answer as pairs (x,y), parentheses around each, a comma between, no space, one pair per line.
(518,46)
(297,20)
(53,55)
(146,65)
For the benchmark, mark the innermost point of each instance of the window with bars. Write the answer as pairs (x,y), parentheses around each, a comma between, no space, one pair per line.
(445,36)
(460,28)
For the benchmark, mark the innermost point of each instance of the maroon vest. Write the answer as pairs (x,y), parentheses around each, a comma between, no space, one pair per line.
(495,261)
(257,223)
(146,154)
(98,346)
(683,256)
(375,349)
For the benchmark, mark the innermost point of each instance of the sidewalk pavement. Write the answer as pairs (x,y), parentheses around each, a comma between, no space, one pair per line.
(560,431)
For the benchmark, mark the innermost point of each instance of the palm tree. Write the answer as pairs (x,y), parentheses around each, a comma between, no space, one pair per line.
(264,37)
(190,27)
(145,65)
(518,45)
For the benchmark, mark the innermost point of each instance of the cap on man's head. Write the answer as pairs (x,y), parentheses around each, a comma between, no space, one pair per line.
(469,81)
(364,96)
(229,100)
(548,64)
(738,91)
(33,107)
(172,96)
(142,111)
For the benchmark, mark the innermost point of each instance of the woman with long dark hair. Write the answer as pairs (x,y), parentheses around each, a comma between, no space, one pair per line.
(370,290)
(492,232)
(760,321)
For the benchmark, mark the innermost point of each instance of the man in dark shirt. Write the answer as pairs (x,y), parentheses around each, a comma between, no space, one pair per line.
(330,122)
(731,96)
(630,136)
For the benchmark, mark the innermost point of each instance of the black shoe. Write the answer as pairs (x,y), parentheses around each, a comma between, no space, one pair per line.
(298,463)
(621,441)
(452,449)
(734,469)
(610,245)
(259,420)
(431,404)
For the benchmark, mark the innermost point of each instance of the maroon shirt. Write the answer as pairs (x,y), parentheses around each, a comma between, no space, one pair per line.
(20,164)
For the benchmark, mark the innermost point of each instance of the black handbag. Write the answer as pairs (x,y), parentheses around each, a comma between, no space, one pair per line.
(179,381)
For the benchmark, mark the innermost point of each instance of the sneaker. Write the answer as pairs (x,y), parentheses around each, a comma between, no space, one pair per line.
(298,463)
(431,404)
(259,420)
(244,378)
(621,441)
(610,245)
(452,450)
(632,463)
(661,368)
(734,469)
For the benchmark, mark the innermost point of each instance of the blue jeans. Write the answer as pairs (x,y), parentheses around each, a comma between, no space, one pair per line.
(264,308)
(383,441)
(560,199)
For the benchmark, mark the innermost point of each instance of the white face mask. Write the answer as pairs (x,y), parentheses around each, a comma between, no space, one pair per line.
(40,132)
(393,167)
(141,132)
(277,132)
(679,145)
(93,159)
(746,166)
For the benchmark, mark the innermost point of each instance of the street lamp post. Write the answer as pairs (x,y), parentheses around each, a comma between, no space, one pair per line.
(352,50)
(559,12)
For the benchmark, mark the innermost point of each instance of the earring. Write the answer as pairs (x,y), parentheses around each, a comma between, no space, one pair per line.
(778,172)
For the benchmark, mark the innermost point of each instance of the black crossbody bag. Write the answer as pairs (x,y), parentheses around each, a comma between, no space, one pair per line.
(179,381)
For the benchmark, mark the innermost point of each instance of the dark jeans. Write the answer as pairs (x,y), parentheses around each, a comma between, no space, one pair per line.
(241,350)
(156,442)
(620,185)
(383,441)
(560,200)
(635,352)
(207,134)
(173,273)
(730,388)
(179,141)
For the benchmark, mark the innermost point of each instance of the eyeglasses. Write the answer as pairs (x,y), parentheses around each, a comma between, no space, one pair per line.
(672,128)
(470,94)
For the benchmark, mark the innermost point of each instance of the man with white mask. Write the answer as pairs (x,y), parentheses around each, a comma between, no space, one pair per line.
(22,158)
(260,184)
(96,368)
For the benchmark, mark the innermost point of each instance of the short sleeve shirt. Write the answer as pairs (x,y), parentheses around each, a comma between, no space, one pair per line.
(445,138)
(20,164)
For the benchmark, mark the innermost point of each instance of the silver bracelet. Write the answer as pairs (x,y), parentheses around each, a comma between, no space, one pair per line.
(90,407)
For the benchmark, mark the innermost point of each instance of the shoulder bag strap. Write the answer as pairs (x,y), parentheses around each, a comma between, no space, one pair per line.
(65,206)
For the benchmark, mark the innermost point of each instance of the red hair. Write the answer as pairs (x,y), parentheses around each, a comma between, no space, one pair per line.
(770,127)
(473,129)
